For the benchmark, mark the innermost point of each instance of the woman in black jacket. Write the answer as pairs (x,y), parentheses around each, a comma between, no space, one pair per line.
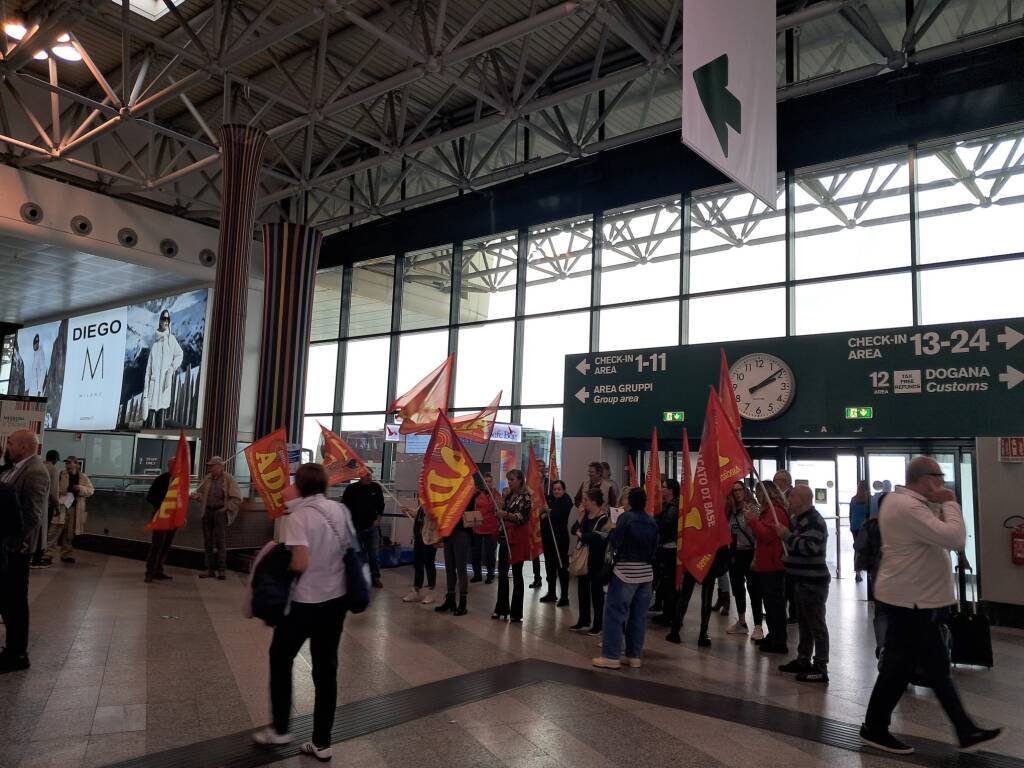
(592,531)
(665,570)
(554,530)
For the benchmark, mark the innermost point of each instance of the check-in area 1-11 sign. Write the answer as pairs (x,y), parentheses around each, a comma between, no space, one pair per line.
(957,380)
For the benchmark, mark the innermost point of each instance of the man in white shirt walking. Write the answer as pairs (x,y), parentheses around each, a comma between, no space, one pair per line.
(920,523)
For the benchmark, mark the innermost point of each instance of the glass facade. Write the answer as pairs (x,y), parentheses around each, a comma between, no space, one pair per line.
(919,235)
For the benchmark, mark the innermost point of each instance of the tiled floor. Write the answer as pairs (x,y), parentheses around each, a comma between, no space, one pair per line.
(121,669)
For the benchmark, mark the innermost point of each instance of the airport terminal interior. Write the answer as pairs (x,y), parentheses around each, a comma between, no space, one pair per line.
(624,382)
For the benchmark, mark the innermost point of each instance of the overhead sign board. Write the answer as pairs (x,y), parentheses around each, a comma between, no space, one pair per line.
(954,381)
(729,89)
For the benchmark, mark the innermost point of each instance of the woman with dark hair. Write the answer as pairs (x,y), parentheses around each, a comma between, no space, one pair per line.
(858,514)
(554,530)
(513,548)
(665,565)
(591,531)
(739,502)
(318,532)
(767,567)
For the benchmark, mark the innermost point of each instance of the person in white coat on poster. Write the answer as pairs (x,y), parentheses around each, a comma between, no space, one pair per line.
(165,358)
(36,374)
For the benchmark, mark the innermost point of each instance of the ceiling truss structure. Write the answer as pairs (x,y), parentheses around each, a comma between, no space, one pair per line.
(373,106)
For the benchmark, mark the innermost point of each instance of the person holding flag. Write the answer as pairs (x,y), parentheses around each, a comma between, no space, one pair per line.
(484,538)
(513,547)
(767,567)
(365,499)
(554,529)
(162,537)
(591,531)
(665,571)
(219,496)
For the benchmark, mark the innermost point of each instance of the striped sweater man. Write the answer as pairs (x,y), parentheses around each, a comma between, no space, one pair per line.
(805,548)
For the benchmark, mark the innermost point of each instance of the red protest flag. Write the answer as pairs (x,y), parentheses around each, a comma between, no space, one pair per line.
(340,459)
(733,460)
(446,483)
(552,461)
(535,485)
(727,394)
(419,407)
(705,523)
(268,470)
(685,490)
(633,482)
(652,483)
(477,427)
(174,508)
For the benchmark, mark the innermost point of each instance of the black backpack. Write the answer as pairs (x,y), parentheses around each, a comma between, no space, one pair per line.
(11,525)
(867,546)
(271,585)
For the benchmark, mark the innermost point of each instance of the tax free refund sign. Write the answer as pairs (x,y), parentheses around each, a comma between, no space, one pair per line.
(959,380)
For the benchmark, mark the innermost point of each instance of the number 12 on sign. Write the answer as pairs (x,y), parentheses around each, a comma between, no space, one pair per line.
(655,362)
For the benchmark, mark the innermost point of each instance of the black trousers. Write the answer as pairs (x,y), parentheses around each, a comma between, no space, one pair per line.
(423,563)
(707,600)
(913,641)
(215,539)
(484,548)
(456,558)
(158,551)
(773,591)
(556,560)
(665,580)
(14,602)
(590,594)
(321,624)
(504,606)
(743,582)
(536,570)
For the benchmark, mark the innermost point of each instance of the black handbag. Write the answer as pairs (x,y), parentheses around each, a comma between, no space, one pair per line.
(970,631)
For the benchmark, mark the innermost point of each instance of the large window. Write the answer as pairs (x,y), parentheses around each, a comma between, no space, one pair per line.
(734,316)
(372,295)
(852,305)
(852,219)
(546,342)
(366,374)
(418,355)
(326,305)
(427,289)
(640,252)
(974,292)
(558,266)
(321,369)
(489,278)
(484,364)
(643,325)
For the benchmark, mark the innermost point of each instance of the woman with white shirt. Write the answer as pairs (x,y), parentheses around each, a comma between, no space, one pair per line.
(318,533)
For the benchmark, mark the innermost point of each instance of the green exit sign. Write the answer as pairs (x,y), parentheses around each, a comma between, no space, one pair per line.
(860,412)
(673,416)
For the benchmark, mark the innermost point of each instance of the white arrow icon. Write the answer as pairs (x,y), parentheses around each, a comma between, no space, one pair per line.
(1012,377)
(583,366)
(1009,337)
(582,395)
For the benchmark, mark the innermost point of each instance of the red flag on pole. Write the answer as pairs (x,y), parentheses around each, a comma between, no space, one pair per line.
(446,483)
(535,485)
(705,523)
(340,459)
(733,460)
(552,460)
(631,468)
(652,482)
(685,490)
(477,427)
(269,469)
(174,507)
(419,407)
(727,393)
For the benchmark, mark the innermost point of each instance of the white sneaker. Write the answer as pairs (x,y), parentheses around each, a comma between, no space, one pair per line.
(428,596)
(323,755)
(739,628)
(268,737)
(757,634)
(633,662)
(413,597)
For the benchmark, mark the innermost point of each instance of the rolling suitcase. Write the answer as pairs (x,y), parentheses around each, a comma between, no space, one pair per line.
(970,632)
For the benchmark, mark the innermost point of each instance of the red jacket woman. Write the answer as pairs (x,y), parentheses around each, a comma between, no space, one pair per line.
(768,551)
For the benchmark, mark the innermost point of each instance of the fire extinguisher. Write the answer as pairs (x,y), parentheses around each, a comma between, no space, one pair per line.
(1016,538)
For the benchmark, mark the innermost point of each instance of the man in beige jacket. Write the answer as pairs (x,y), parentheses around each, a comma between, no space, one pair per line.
(75,488)
(219,497)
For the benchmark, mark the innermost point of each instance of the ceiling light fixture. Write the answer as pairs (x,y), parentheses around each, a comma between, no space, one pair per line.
(66,52)
(14,30)
(40,56)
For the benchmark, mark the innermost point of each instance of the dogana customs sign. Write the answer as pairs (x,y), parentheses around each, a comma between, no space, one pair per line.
(729,89)
(958,380)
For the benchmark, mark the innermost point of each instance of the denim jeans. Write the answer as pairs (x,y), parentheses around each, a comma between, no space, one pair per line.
(625,609)
(369,540)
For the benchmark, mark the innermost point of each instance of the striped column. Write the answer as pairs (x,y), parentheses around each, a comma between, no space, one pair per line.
(241,156)
(290,255)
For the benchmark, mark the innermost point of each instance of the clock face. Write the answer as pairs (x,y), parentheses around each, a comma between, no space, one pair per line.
(763,386)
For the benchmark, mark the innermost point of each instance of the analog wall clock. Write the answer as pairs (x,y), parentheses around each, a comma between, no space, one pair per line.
(763,386)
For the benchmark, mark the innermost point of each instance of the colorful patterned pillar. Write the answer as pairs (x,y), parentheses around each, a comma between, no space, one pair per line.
(290,254)
(241,156)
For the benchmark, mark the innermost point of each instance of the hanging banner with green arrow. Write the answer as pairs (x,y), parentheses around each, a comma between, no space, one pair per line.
(729,89)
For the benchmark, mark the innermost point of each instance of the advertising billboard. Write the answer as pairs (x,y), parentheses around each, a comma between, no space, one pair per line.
(127,368)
